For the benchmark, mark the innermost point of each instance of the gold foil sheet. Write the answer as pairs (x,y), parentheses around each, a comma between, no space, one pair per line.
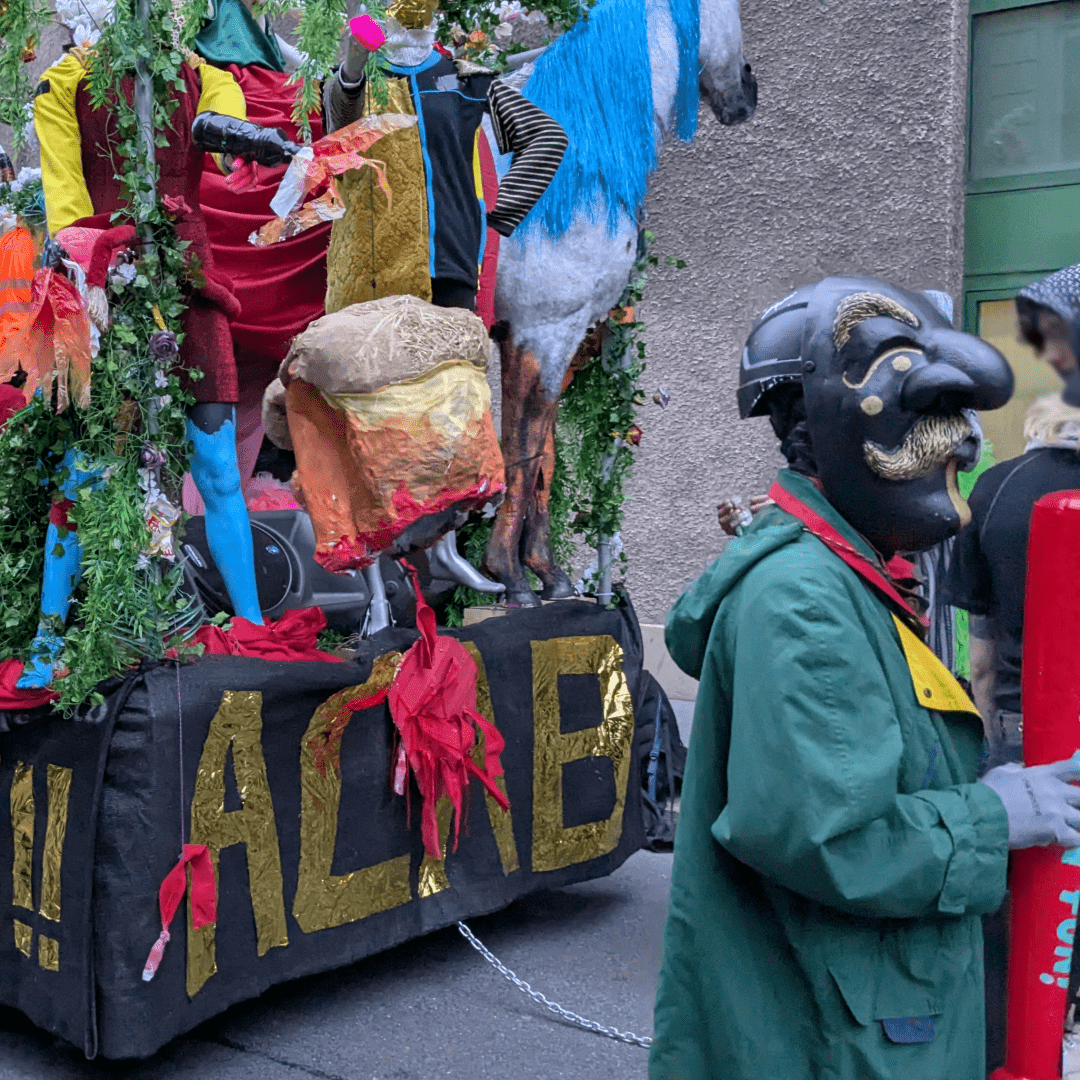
(59,784)
(22,827)
(24,936)
(324,899)
(553,845)
(448,401)
(48,953)
(433,877)
(373,252)
(502,821)
(413,14)
(237,725)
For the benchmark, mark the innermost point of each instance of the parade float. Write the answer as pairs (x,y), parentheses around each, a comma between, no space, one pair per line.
(206,793)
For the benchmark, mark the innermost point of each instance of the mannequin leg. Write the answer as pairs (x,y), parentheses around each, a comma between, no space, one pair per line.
(212,430)
(63,568)
(378,615)
(445,561)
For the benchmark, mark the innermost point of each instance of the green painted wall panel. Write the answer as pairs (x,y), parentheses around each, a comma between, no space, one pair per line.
(1022,231)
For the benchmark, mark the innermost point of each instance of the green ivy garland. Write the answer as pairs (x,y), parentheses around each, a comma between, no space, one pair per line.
(125,604)
(21,23)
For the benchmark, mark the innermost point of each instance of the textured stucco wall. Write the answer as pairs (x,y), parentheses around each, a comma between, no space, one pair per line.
(854,162)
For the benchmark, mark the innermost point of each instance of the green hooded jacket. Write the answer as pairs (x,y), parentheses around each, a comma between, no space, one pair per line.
(834,852)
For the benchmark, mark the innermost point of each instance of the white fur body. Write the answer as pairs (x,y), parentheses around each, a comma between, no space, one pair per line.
(550,291)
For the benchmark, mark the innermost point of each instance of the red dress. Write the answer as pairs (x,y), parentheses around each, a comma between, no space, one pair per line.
(207,344)
(282,287)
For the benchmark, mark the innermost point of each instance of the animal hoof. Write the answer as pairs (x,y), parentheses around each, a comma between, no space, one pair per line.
(559,588)
(517,597)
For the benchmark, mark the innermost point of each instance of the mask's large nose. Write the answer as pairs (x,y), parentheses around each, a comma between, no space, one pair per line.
(964,373)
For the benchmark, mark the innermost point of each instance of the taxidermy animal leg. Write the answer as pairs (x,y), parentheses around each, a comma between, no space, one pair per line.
(446,562)
(378,615)
(212,430)
(536,547)
(63,568)
(525,410)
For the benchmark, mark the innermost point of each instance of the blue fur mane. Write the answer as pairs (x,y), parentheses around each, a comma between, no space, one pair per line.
(596,81)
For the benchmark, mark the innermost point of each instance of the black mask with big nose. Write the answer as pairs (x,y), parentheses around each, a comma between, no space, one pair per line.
(889,387)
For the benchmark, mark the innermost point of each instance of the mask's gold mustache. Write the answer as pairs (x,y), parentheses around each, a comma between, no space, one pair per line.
(927,447)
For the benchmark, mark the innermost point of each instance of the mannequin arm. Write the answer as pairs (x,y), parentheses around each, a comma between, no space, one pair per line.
(537,142)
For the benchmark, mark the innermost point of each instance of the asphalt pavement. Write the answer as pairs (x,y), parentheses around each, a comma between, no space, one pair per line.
(431,1008)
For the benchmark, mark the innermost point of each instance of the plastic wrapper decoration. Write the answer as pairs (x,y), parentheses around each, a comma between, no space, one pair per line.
(53,345)
(389,414)
(315,167)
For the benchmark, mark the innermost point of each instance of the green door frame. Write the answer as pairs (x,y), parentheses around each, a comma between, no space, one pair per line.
(1007,241)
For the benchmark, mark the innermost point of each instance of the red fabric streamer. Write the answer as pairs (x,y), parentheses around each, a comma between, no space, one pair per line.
(433,705)
(14,699)
(292,637)
(203,899)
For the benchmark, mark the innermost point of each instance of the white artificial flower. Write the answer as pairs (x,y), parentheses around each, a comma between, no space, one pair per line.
(125,272)
(510,9)
(26,176)
(160,381)
(165,399)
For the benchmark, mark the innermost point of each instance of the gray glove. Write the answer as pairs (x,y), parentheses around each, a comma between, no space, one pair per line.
(1042,805)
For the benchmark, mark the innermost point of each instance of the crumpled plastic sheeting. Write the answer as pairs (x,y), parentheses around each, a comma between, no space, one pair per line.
(373,468)
(53,346)
(316,166)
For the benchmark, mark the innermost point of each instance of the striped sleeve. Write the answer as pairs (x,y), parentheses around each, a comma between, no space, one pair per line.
(537,142)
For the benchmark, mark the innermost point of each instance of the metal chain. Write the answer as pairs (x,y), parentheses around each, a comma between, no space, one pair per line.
(555,1007)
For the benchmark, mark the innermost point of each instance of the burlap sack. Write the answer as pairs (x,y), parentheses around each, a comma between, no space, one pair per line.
(367,346)
(275,417)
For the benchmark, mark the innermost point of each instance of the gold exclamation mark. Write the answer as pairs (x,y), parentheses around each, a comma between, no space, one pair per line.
(59,784)
(22,826)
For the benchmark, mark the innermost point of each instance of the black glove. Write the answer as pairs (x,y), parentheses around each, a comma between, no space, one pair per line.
(217,134)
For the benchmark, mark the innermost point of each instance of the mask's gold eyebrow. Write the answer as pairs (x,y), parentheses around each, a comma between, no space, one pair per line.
(858,307)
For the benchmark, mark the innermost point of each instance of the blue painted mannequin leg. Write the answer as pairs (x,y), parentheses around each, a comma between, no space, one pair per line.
(63,567)
(212,430)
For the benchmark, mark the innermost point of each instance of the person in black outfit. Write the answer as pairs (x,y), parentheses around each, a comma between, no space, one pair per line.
(989,568)
(988,574)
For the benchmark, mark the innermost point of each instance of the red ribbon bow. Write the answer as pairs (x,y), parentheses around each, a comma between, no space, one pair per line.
(433,705)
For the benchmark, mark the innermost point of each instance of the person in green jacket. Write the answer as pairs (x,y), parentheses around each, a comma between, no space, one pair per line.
(834,851)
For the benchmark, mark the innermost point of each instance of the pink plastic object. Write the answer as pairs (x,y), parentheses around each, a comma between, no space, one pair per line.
(1045,882)
(368,32)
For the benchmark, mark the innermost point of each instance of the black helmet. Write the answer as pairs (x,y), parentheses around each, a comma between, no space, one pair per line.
(773,352)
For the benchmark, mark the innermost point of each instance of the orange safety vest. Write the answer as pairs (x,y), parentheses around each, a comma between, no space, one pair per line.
(16,272)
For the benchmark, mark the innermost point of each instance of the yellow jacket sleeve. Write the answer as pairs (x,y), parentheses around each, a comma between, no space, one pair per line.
(221,93)
(66,197)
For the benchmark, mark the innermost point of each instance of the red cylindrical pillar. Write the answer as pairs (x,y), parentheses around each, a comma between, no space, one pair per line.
(1045,882)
